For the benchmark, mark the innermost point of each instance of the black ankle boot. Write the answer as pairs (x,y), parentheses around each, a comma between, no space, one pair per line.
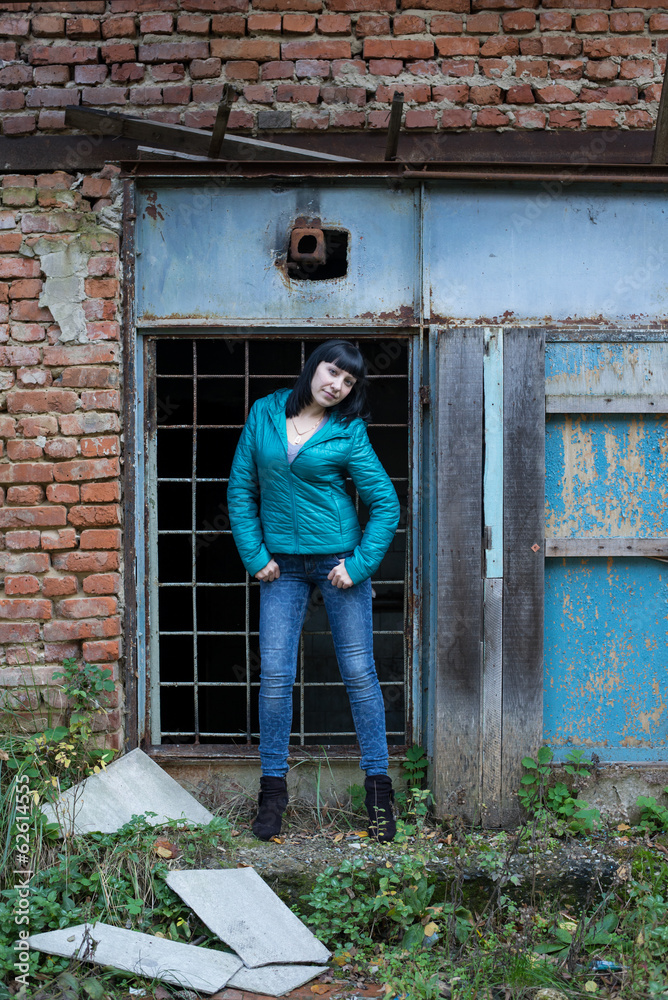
(378,802)
(272,803)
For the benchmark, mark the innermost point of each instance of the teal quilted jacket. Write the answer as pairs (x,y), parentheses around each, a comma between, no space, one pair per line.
(303,507)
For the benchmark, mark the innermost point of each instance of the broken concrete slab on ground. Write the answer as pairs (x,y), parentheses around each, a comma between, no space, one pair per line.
(133,785)
(241,909)
(184,965)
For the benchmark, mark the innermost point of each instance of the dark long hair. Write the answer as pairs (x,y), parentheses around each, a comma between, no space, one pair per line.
(349,359)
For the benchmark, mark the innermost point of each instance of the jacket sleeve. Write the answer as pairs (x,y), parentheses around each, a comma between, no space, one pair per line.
(243,498)
(377,492)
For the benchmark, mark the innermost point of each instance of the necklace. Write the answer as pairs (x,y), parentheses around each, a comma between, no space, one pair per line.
(300,434)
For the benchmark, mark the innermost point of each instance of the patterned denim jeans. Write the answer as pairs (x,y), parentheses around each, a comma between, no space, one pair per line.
(283,604)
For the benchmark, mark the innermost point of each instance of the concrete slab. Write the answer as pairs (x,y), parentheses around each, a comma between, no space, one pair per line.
(132,785)
(238,906)
(275,980)
(183,965)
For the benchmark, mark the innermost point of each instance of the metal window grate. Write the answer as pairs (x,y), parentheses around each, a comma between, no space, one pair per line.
(203,606)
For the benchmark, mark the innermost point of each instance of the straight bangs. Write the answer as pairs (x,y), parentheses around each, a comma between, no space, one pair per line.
(349,359)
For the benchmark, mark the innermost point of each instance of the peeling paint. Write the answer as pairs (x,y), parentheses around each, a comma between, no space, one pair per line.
(606,475)
(606,657)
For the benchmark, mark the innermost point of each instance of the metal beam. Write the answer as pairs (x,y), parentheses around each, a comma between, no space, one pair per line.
(186,140)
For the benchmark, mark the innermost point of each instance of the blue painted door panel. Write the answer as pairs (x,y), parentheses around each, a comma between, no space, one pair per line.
(606,475)
(541,253)
(606,657)
(232,242)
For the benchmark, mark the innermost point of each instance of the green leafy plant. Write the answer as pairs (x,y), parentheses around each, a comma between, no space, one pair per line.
(653,816)
(555,805)
(567,933)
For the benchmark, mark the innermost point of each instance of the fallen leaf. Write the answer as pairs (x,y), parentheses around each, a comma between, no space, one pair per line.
(623,826)
(235,833)
(3,755)
(430,929)
(361,833)
(278,840)
(590,986)
(165,849)
(339,837)
(319,988)
(243,864)
(161,993)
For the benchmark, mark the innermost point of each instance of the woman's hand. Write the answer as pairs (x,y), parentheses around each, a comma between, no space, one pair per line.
(339,576)
(269,573)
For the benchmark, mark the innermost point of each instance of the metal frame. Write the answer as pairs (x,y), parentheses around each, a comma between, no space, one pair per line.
(143,365)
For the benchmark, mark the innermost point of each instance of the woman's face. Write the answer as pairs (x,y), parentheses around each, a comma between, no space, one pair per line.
(330,384)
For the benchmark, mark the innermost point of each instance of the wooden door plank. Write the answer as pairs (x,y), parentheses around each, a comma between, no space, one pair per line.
(523,601)
(459,458)
(492,702)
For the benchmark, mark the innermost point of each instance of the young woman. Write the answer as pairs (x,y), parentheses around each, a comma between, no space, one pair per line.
(296,528)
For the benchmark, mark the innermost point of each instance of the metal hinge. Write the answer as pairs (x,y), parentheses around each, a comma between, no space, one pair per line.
(425,395)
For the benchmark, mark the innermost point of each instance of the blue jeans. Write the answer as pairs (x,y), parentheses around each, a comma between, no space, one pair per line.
(283,604)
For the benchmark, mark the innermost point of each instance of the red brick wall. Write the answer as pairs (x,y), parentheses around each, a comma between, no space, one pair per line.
(334,64)
(60,487)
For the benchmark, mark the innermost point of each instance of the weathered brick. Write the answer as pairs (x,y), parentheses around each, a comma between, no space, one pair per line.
(42,401)
(412,92)
(26,496)
(19,267)
(100,493)
(228,24)
(298,24)
(82,27)
(205,69)
(156,24)
(84,628)
(20,450)
(59,586)
(101,468)
(90,74)
(334,24)
(486,95)
(93,538)
(600,48)
(193,24)
(632,69)
(27,517)
(63,492)
(64,538)
(257,49)
(27,472)
(522,94)
(83,607)
(565,118)
(44,55)
(174,51)
(455,93)
(18,632)
(453,24)
(323,48)
(297,92)
(485,23)
(14,27)
(16,608)
(24,584)
(119,27)
(89,423)
(604,69)
(456,118)
(95,515)
(22,540)
(100,652)
(37,426)
(102,583)
(120,52)
(627,21)
(19,124)
(555,94)
(48,26)
(14,355)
